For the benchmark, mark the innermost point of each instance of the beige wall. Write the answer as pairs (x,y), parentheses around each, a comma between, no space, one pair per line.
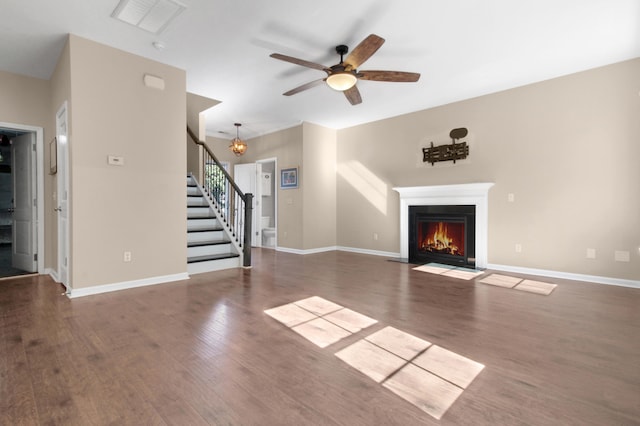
(25,100)
(566,148)
(139,207)
(194,159)
(318,186)
(196,120)
(220,149)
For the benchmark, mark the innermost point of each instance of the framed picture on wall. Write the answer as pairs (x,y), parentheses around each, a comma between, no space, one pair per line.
(289,178)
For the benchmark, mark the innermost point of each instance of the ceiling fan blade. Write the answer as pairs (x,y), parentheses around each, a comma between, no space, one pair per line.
(393,76)
(353,95)
(364,50)
(298,61)
(304,87)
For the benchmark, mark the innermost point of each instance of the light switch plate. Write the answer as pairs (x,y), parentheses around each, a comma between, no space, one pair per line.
(622,256)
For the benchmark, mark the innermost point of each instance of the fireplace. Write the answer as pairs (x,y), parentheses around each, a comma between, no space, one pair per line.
(444,234)
(470,194)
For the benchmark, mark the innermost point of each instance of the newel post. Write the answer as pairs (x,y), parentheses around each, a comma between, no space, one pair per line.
(248,214)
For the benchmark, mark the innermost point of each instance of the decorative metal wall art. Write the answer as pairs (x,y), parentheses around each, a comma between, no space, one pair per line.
(454,151)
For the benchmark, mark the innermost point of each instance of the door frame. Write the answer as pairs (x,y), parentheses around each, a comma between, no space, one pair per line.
(24,209)
(257,195)
(38,175)
(273,160)
(63,168)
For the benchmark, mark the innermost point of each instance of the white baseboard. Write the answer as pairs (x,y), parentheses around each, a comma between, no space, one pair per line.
(309,251)
(566,275)
(339,248)
(52,273)
(371,252)
(107,288)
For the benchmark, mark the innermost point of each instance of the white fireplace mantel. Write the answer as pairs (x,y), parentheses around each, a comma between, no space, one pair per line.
(471,194)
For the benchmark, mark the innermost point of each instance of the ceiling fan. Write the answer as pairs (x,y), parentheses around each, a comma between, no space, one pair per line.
(343,76)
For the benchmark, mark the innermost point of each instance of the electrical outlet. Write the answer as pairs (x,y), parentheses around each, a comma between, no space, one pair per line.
(126,256)
(518,248)
(591,253)
(375,236)
(511,197)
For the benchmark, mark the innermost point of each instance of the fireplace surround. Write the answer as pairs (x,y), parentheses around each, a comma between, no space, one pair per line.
(472,194)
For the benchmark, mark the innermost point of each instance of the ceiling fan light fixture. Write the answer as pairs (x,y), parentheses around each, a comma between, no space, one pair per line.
(238,146)
(341,81)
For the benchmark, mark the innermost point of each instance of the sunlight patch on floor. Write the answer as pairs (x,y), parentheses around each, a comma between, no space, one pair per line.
(428,376)
(530,286)
(320,321)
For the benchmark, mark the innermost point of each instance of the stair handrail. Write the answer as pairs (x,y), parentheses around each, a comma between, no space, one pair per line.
(241,233)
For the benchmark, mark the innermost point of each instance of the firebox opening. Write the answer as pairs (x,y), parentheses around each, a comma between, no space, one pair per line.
(443,234)
(441,237)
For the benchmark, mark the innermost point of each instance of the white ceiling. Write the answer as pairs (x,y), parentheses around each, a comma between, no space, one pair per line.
(462,48)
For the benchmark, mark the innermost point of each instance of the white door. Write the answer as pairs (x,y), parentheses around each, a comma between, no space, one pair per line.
(246,177)
(62,197)
(24,221)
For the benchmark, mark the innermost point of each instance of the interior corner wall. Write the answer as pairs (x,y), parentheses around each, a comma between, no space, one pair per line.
(193,158)
(566,148)
(60,84)
(220,148)
(138,206)
(317,182)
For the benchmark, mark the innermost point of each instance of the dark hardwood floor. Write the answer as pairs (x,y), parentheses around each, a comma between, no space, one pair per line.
(202,351)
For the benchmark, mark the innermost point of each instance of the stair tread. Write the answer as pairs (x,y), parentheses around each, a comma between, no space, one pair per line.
(208,243)
(208,257)
(210,229)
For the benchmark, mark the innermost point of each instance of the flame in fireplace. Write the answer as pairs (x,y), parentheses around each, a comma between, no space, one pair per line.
(440,241)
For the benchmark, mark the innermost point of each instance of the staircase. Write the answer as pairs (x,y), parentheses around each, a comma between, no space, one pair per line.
(209,247)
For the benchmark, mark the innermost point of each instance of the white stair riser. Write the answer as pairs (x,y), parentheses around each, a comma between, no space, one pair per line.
(193,190)
(205,250)
(196,224)
(213,265)
(198,212)
(200,201)
(195,237)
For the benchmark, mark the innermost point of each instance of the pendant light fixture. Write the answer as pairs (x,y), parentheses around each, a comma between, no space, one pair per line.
(238,146)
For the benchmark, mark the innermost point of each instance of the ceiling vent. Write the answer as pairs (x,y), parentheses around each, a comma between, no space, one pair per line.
(150,15)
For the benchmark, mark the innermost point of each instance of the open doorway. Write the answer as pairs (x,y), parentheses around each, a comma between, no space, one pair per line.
(20,233)
(268,203)
(259,179)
